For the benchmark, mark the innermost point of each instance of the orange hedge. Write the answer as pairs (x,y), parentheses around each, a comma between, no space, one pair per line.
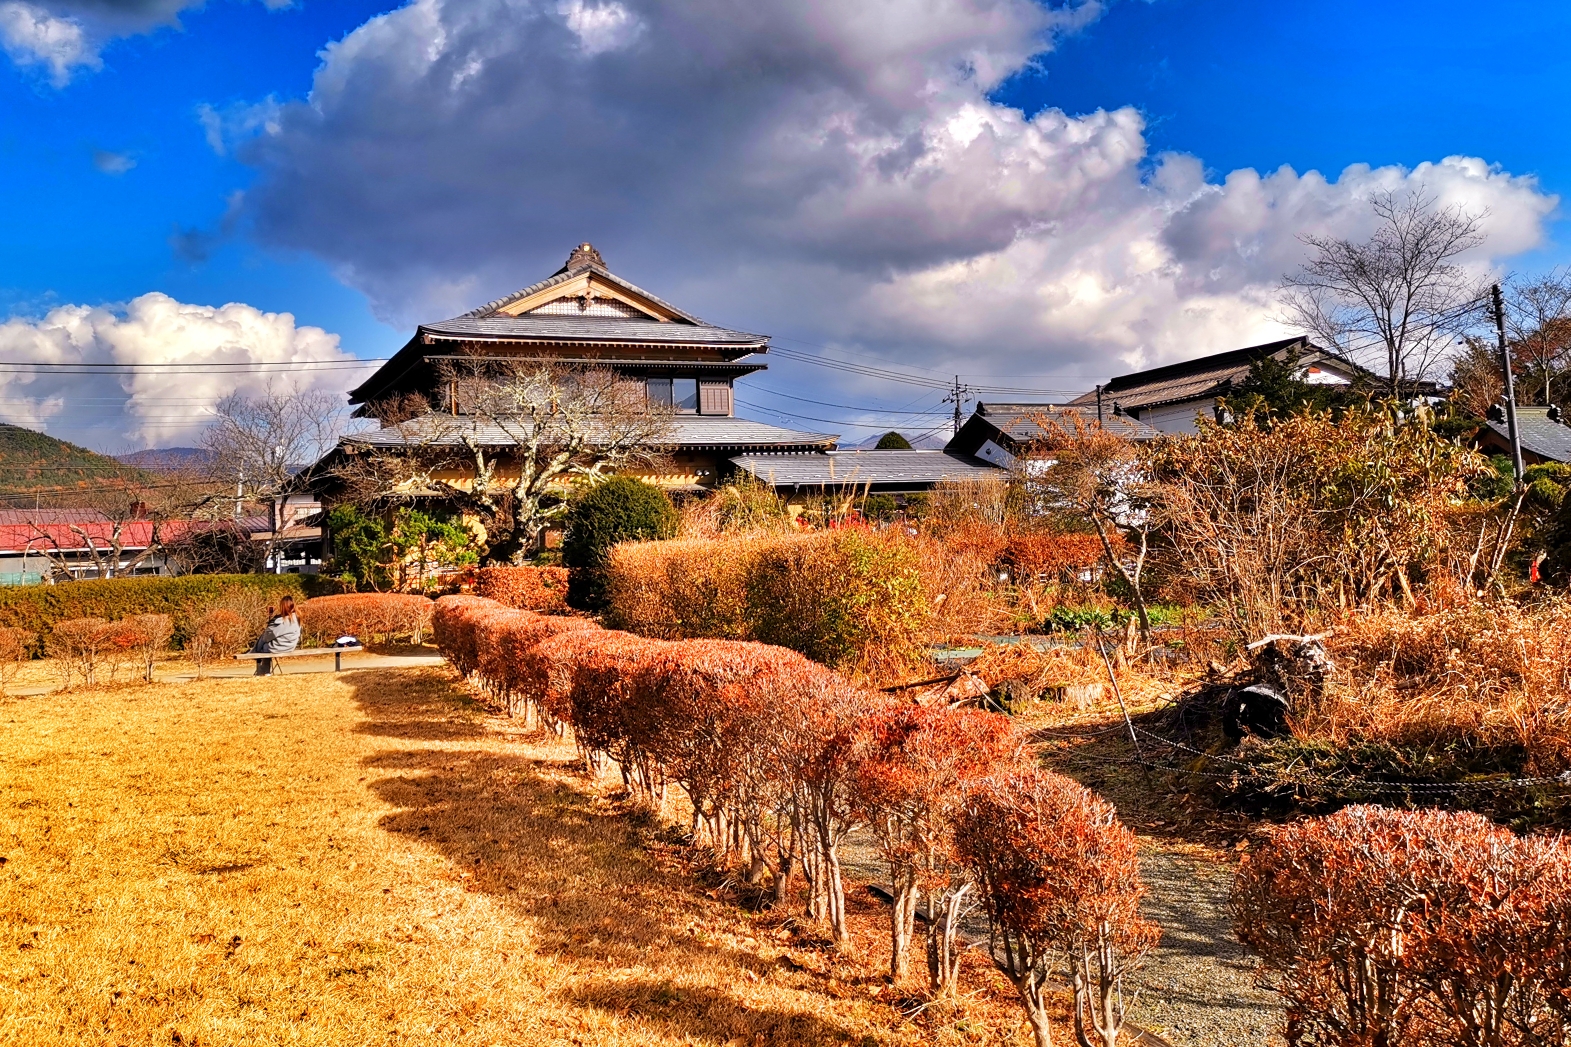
(541,589)
(367,616)
(754,733)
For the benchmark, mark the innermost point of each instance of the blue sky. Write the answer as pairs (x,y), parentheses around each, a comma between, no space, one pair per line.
(110,188)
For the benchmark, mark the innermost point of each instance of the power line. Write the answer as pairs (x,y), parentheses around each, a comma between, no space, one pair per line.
(844,407)
(191,365)
(810,418)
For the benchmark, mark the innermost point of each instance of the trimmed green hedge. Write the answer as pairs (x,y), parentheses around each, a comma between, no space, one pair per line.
(37,607)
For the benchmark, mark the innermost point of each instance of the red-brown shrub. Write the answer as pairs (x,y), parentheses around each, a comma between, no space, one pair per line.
(1060,880)
(15,649)
(370,617)
(540,589)
(216,634)
(1052,556)
(911,765)
(454,621)
(77,645)
(1426,927)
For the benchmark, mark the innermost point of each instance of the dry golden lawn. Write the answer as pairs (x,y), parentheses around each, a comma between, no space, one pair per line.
(371,858)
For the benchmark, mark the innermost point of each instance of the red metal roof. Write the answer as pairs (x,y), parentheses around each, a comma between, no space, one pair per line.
(69,530)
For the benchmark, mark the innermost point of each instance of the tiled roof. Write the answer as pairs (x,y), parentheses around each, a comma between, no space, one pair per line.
(568,273)
(1023,421)
(1205,376)
(591,329)
(1539,434)
(833,468)
(687,431)
(40,530)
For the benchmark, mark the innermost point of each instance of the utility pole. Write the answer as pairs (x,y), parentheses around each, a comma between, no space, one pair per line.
(1505,365)
(1099,405)
(957,404)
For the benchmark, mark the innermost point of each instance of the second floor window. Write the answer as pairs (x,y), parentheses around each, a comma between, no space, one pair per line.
(681,393)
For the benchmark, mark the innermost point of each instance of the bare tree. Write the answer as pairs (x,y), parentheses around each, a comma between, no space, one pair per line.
(1399,294)
(119,525)
(257,444)
(517,437)
(1538,322)
(1476,379)
(1100,477)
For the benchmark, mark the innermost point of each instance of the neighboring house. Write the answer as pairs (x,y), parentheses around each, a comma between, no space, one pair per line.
(999,433)
(1545,436)
(46,545)
(1170,398)
(584,315)
(986,446)
(799,476)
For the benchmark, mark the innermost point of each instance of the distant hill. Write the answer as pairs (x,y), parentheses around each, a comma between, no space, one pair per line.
(167,459)
(37,464)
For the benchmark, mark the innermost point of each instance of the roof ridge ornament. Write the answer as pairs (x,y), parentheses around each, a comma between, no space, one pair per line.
(584,254)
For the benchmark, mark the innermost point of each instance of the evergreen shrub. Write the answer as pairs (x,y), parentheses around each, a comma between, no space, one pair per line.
(621,509)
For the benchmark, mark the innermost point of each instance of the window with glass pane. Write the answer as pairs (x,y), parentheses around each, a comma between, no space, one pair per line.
(684,393)
(658,391)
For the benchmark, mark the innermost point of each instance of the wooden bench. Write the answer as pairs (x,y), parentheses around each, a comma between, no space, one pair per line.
(303,652)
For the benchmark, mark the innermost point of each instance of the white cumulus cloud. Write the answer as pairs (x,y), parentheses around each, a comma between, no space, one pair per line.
(838,172)
(33,36)
(69,35)
(160,405)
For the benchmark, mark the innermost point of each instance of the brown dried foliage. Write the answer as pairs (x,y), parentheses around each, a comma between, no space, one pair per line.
(540,589)
(1493,674)
(1430,928)
(370,617)
(1059,878)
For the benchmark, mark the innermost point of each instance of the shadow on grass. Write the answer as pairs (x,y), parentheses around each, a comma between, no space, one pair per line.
(707,1014)
(520,830)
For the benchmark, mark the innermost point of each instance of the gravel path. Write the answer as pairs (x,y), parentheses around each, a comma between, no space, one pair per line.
(1197,989)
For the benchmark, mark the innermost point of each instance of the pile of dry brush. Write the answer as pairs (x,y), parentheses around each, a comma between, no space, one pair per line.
(780,758)
(1496,674)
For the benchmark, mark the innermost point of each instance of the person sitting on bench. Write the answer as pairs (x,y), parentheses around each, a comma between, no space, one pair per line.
(281,636)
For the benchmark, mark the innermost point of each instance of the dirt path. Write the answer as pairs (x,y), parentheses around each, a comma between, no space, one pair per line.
(1197,989)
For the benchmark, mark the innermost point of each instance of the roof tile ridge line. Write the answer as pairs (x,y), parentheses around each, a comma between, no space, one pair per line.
(562,276)
(1177,366)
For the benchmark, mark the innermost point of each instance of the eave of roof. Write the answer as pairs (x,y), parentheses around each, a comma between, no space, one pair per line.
(688,432)
(1020,421)
(595,330)
(834,468)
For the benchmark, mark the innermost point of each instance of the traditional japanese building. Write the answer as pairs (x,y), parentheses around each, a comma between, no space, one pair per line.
(583,315)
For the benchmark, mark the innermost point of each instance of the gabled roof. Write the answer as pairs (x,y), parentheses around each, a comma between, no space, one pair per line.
(584,260)
(1023,422)
(1540,435)
(37,531)
(583,308)
(1207,376)
(855,468)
